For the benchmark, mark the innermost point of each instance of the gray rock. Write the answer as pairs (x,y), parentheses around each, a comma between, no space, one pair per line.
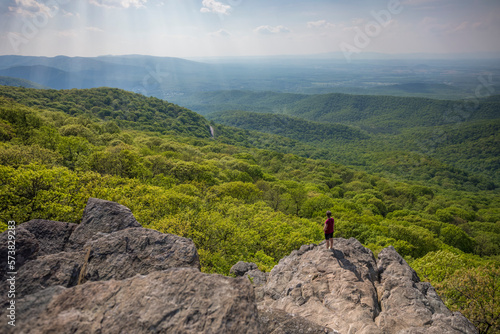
(332,288)
(100,216)
(249,270)
(346,290)
(125,253)
(32,306)
(26,248)
(180,300)
(257,277)
(410,306)
(241,268)
(51,235)
(279,322)
(118,255)
(60,269)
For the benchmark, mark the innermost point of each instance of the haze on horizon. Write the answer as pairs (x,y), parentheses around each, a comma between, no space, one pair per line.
(217,28)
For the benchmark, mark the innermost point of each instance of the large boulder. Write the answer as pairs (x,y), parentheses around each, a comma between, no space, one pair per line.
(347,290)
(179,300)
(410,306)
(250,270)
(241,268)
(50,253)
(117,255)
(332,288)
(125,253)
(61,269)
(100,216)
(26,248)
(52,236)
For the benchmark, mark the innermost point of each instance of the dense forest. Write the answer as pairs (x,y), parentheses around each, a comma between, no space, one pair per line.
(379,134)
(246,195)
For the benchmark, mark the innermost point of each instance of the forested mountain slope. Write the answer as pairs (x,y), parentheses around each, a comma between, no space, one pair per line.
(15,82)
(126,109)
(292,127)
(375,113)
(235,201)
(423,134)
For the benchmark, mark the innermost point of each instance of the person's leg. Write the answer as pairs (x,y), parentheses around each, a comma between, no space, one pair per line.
(329,241)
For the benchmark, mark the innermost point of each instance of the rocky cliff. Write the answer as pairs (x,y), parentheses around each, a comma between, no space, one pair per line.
(110,275)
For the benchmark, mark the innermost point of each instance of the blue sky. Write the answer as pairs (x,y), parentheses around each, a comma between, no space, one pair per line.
(203,28)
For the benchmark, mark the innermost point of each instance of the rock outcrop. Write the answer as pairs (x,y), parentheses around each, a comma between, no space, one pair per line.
(179,300)
(52,236)
(27,247)
(250,270)
(110,275)
(116,217)
(347,290)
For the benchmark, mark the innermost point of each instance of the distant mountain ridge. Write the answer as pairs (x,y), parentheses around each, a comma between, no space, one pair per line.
(15,82)
(169,77)
(372,113)
(125,72)
(291,127)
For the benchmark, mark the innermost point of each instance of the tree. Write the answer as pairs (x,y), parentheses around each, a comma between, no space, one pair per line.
(317,206)
(297,194)
(456,237)
(272,193)
(247,192)
(476,293)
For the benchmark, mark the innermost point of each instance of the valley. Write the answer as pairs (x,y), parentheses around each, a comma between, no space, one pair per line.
(248,174)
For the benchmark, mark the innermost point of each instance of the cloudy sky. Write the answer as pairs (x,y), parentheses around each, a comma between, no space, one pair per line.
(198,28)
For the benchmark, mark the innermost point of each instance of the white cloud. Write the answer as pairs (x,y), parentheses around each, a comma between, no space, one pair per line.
(69,14)
(220,33)
(358,21)
(67,33)
(212,6)
(320,24)
(29,8)
(433,25)
(119,3)
(94,29)
(269,30)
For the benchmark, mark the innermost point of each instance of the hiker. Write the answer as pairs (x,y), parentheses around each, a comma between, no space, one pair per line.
(329,228)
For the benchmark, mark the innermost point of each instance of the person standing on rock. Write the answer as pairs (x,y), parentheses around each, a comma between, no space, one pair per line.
(329,228)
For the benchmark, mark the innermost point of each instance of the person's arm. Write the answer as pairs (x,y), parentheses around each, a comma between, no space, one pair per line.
(325,226)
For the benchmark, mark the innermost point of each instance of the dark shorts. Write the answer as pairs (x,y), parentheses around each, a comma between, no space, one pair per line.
(328,236)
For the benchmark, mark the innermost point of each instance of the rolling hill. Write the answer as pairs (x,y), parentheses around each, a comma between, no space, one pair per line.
(128,110)
(373,113)
(458,135)
(15,82)
(291,127)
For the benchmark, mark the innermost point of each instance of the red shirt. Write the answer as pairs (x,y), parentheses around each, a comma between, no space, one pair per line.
(330,223)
